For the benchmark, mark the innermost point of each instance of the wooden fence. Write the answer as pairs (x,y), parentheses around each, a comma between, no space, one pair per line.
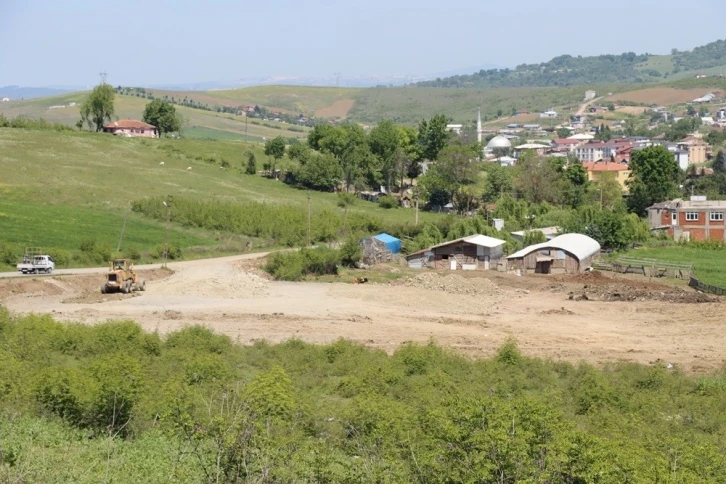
(708,288)
(647,267)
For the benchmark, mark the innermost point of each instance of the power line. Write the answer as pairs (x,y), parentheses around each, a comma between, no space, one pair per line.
(103,77)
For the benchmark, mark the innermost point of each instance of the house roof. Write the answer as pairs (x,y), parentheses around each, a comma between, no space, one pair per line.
(581,136)
(566,141)
(605,166)
(579,245)
(477,239)
(545,230)
(531,146)
(129,123)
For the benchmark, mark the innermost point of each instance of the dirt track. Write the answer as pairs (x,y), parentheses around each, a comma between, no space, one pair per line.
(590,317)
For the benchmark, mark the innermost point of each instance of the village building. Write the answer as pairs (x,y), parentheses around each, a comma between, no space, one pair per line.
(130,127)
(538,148)
(694,219)
(380,248)
(595,170)
(696,148)
(565,144)
(582,137)
(599,150)
(548,114)
(565,254)
(476,252)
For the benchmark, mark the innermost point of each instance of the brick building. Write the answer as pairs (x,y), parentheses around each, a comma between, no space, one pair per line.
(694,219)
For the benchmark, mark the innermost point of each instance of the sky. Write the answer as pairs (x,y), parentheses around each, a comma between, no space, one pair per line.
(154,42)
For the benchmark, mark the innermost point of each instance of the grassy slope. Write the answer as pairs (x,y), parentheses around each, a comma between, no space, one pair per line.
(201,124)
(60,188)
(708,264)
(294,99)
(409,105)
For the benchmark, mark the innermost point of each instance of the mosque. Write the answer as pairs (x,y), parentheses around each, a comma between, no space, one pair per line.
(499,146)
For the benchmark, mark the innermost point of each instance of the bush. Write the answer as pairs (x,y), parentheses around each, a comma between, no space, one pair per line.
(95,252)
(174,252)
(350,253)
(294,266)
(387,201)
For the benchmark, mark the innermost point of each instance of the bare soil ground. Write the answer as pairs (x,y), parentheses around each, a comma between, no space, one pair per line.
(593,317)
(661,95)
(339,109)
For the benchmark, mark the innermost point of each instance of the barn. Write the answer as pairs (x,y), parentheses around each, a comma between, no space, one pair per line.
(467,253)
(565,254)
(380,248)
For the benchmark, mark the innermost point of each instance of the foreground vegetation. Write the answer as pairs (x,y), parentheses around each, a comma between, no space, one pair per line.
(112,403)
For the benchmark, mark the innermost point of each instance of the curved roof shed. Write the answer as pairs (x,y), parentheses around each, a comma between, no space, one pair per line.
(579,245)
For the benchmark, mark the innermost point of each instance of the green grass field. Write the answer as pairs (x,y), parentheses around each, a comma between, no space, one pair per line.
(199,123)
(708,264)
(61,188)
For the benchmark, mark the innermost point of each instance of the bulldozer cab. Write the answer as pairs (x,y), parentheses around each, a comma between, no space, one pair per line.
(119,265)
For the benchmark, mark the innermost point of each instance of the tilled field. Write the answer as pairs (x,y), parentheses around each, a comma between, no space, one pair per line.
(592,317)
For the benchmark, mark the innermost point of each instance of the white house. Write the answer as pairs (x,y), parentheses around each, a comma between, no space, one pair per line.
(456,128)
(6,99)
(590,95)
(548,114)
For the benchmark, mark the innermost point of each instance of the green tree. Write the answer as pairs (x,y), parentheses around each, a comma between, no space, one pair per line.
(563,132)
(299,152)
(321,172)
(275,148)
(654,177)
(163,115)
(433,137)
(719,163)
(532,237)
(385,144)
(576,175)
(251,168)
(345,201)
(98,108)
(539,179)
(499,180)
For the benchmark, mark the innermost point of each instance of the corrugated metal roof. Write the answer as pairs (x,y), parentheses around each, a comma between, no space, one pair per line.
(579,245)
(478,239)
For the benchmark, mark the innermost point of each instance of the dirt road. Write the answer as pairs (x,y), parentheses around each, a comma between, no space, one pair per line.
(593,318)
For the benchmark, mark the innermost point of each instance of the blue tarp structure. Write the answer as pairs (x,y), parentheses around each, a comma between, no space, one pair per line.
(392,244)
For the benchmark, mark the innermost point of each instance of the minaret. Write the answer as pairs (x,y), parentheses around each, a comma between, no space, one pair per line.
(478,126)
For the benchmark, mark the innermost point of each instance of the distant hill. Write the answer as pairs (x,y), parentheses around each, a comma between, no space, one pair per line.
(17,92)
(567,70)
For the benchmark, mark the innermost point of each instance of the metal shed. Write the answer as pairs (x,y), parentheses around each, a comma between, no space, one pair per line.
(468,253)
(565,254)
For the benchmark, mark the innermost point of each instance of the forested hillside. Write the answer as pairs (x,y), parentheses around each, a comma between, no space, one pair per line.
(567,70)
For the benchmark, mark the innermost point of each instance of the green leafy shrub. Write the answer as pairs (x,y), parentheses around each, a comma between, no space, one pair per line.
(294,266)
(387,201)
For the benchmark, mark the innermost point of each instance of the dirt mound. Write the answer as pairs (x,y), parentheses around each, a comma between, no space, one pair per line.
(619,292)
(30,287)
(560,312)
(223,282)
(452,284)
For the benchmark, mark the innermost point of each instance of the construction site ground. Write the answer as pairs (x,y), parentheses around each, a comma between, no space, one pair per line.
(595,317)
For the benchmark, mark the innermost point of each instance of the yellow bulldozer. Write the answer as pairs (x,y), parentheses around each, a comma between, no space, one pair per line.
(122,277)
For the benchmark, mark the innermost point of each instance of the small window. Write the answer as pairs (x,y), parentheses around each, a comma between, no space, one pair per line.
(691,216)
(717,216)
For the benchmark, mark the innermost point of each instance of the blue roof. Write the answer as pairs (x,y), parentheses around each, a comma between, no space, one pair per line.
(392,243)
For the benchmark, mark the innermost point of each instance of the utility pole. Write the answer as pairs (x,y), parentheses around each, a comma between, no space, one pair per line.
(246,116)
(166,237)
(415,193)
(308,218)
(103,77)
(601,198)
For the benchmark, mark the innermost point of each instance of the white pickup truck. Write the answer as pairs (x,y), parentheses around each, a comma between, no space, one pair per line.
(37,264)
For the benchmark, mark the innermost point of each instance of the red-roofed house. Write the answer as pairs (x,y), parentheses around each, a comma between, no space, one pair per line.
(131,127)
(596,169)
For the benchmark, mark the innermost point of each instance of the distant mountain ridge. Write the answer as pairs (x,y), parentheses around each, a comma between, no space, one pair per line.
(566,70)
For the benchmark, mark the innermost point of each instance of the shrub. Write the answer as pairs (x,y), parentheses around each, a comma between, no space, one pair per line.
(95,252)
(294,266)
(387,201)
(350,253)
